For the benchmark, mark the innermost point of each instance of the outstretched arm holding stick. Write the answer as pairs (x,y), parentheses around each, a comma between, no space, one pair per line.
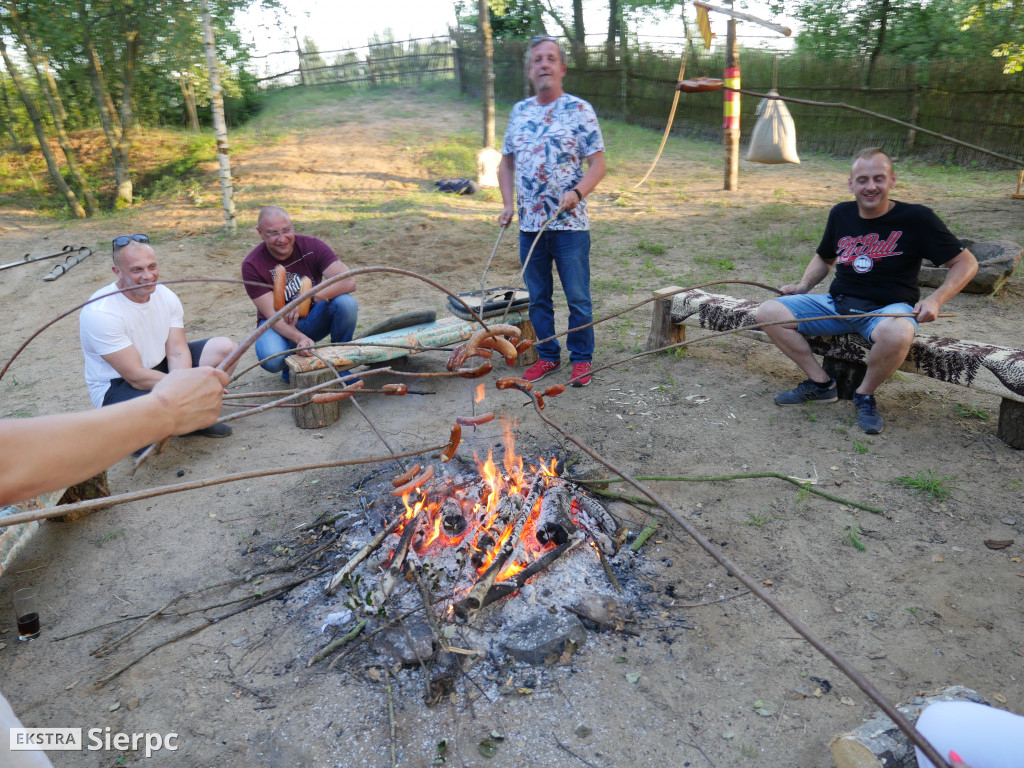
(49,452)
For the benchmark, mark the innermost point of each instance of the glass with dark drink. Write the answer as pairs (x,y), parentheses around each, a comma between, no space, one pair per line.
(26,609)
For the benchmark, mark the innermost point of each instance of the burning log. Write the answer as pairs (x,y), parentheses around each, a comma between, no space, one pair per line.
(505,588)
(393,573)
(507,511)
(596,511)
(452,520)
(362,554)
(474,601)
(554,524)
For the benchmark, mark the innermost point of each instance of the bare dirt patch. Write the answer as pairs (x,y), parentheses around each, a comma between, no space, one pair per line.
(925,605)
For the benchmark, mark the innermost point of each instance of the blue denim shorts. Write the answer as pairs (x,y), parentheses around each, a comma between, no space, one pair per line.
(816,304)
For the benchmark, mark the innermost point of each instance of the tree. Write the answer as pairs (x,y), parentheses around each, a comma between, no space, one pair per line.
(1001,21)
(488,72)
(40,130)
(912,30)
(40,68)
(219,125)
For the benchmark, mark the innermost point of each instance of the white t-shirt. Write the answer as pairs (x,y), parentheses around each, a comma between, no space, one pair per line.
(115,323)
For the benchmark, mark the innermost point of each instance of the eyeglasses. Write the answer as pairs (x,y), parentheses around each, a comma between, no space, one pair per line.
(542,39)
(285,231)
(123,240)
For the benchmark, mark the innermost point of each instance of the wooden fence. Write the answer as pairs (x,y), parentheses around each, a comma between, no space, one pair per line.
(410,62)
(969,100)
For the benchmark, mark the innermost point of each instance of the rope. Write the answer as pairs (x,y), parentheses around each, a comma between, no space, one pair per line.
(672,112)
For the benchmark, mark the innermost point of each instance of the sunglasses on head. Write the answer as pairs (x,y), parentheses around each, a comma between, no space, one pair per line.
(542,39)
(123,240)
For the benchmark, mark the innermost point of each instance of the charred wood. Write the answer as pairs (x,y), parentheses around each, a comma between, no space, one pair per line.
(596,511)
(554,524)
(452,519)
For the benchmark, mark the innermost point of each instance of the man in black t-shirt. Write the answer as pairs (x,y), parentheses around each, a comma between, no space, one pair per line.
(876,246)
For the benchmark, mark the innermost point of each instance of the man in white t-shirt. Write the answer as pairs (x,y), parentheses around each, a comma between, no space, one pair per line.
(131,340)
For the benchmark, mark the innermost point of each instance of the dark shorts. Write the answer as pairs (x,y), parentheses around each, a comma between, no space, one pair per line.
(120,390)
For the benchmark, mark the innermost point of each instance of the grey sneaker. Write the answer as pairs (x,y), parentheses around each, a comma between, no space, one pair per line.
(868,417)
(808,390)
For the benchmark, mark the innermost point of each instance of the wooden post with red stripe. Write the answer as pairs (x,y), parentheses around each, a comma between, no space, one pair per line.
(731,107)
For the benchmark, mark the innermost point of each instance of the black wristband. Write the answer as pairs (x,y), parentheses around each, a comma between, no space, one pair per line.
(578,193)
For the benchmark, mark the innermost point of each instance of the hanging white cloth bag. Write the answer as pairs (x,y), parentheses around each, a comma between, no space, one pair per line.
(774,136)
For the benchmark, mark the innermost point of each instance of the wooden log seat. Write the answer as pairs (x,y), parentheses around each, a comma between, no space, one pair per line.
(307,371)
(985,367)
(13,538)
(878,743)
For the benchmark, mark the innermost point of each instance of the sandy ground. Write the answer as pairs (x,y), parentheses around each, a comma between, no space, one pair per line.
(924,606)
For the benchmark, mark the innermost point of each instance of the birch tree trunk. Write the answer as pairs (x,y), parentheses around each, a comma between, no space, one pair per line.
(44,145)
(220,128)
(125,190)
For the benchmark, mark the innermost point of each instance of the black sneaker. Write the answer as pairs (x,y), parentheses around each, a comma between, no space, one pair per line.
(809,390)
(868,417)
(214,430)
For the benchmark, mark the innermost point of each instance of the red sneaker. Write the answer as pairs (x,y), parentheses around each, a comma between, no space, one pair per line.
(580,374)
(539,370)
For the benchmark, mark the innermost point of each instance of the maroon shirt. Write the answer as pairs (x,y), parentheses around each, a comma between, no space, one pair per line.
(310,258)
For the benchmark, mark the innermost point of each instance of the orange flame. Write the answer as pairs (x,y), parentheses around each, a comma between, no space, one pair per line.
(481,390)
(498,484)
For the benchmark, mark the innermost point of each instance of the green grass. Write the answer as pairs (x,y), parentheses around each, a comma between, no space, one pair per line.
(451,156)
(851,536)
(859,447)
(927,483)
(972,411)
(760,520)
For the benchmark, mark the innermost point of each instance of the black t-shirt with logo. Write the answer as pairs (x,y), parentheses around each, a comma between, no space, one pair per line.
(878,260)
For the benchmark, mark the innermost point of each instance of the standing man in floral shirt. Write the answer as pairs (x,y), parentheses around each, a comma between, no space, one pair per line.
(548,138)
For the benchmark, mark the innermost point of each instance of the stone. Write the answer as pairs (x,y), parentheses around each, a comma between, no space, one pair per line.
(996,260)
(394,645)
(533,640)
(599,609)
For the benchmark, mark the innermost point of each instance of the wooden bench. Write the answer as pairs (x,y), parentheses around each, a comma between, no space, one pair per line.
(304,372)
(988,368)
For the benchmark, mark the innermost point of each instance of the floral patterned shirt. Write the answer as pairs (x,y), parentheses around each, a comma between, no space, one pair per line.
(550,143)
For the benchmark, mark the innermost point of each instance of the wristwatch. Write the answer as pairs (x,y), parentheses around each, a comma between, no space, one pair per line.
(578,193)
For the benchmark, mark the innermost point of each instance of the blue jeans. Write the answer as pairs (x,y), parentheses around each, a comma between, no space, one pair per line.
(569,252)
(817,304)
(336,317)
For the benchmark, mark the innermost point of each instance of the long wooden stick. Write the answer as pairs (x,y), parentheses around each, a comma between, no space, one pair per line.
(124,498)
(840,663)
(744,476)
(745,17)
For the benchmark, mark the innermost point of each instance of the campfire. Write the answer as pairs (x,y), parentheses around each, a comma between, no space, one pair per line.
(480,533)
